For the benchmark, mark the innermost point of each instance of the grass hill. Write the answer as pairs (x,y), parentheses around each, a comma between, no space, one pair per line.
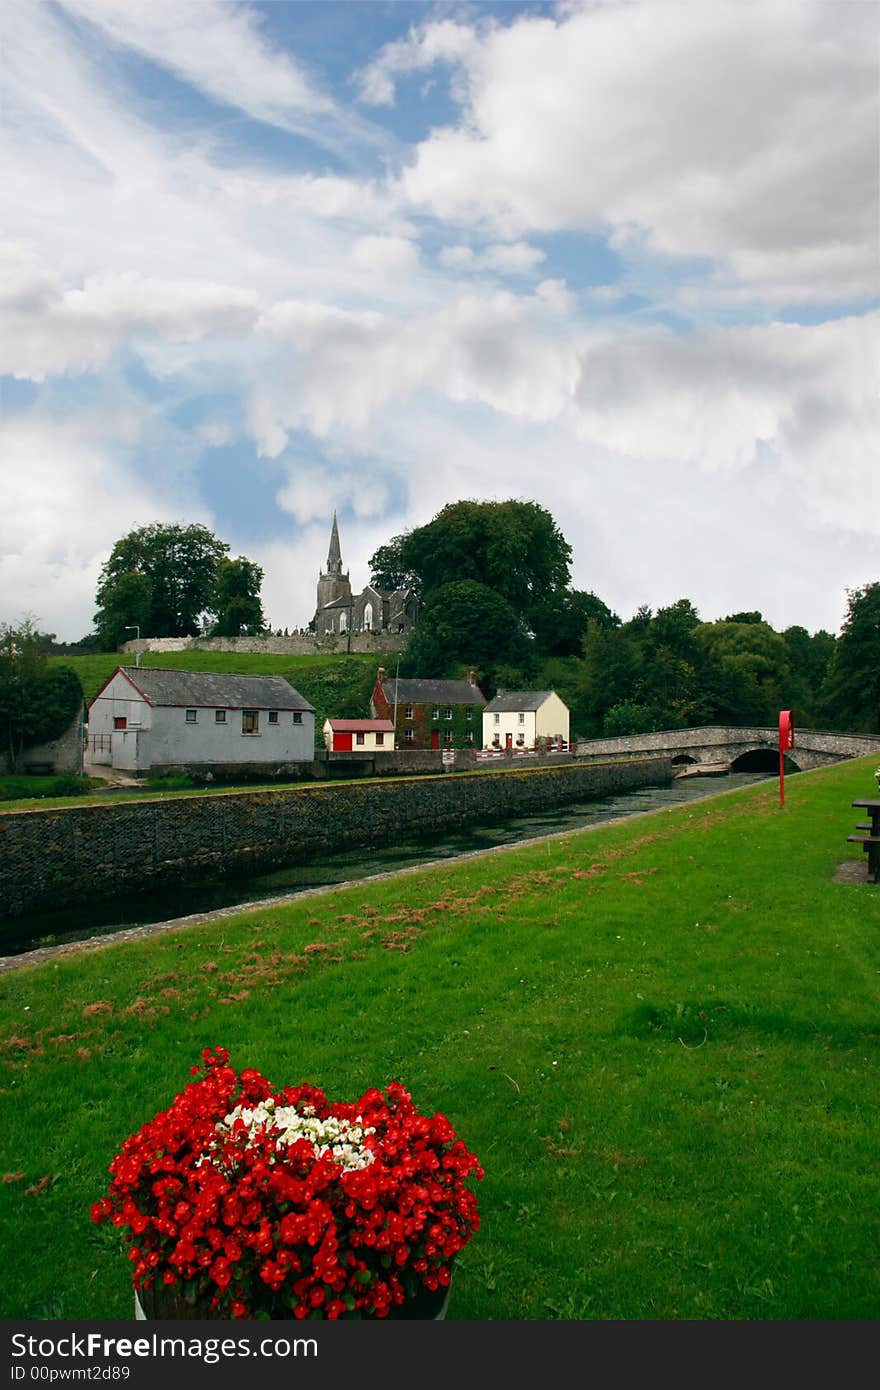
(660,1037)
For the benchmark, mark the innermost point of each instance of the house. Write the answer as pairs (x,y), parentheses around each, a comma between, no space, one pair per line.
(430,713)
(364,735)
(519,718)
(340,610)
(147,718)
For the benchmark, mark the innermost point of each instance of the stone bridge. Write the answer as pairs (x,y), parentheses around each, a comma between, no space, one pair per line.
(728,749)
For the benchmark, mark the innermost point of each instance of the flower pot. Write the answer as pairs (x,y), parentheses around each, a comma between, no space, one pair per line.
(164,1304)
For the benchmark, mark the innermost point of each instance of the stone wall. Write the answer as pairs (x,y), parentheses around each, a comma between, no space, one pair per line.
(56,858)
(298,644)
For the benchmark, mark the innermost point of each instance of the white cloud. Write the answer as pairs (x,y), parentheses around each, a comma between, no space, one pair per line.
(385,255)
(509,258)
(733,130)
(441,42)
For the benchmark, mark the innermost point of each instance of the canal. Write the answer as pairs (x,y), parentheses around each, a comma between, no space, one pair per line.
(108,915)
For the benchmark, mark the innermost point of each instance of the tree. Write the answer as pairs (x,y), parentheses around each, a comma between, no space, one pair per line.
(850,696)
(513,548)
(465,624)
(37,702)
(387,569)
(164,580)
(236,599)
(749,671)
(559,622)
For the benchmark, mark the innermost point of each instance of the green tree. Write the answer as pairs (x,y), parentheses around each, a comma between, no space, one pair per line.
(559,621)
(750,671)
(236,599)
(513,548)
(37,702)
(162,578)
(387,569)
(465,624)
(850,695)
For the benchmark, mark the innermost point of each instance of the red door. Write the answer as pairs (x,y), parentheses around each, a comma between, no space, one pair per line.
(342,743)
(435,738)
(508,740)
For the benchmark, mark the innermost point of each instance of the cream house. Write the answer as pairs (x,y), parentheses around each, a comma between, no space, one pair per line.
(519,718)
(148,717)
(359,735)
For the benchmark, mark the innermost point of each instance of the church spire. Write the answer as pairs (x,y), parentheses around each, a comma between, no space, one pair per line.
(334,557)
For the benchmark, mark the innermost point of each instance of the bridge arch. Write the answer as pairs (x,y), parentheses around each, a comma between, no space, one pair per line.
(763,760)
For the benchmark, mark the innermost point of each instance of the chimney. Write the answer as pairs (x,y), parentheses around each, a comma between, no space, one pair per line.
(472,677)
(382,676)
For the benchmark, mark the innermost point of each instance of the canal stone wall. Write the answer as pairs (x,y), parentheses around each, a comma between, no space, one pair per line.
(57,858)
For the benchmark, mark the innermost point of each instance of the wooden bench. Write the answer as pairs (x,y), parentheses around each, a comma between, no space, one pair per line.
(871,845)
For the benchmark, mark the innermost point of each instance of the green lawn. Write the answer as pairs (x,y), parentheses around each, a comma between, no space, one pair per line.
(660,1037)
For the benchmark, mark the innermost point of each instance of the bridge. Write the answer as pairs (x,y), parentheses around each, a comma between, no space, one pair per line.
(717,748)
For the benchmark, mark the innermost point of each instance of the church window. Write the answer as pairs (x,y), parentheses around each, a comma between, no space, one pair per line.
(368,617)
(343,622)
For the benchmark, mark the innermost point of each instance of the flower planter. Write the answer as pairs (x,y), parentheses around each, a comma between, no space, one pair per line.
(157,1305)
(241,1201)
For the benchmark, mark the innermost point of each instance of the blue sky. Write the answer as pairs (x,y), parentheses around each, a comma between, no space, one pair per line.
(262,261)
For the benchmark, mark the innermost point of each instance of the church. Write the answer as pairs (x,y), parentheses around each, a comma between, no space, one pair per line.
(338,610)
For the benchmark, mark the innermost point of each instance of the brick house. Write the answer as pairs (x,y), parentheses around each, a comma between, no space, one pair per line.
(430,713)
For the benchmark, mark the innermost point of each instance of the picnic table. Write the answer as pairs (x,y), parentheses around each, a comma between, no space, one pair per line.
(870,838)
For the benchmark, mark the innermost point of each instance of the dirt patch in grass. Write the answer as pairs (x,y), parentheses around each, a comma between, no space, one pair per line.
(852,871)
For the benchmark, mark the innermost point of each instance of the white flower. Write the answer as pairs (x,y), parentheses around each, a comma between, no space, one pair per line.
(343,1140)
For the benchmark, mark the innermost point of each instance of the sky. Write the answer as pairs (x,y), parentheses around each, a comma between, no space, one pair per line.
(618,257)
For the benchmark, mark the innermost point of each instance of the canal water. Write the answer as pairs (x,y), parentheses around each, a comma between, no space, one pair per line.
(103,917)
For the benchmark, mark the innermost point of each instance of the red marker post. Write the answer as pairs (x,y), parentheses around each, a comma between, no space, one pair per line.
(786,740)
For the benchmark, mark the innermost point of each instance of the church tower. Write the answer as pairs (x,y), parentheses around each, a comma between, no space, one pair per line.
(333,584)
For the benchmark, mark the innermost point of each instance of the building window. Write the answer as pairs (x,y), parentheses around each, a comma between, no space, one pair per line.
(469,714)
(219,716)
(447,713)
(435,712)
(250,721)
(496,718)
(521,719)
(273,716)
(447,736)
(358,738)
(190,716)
(408,713)
(469,736)
(380,739)
(297,716)
(120,722)
(496,740)
(520,740)
(407,735)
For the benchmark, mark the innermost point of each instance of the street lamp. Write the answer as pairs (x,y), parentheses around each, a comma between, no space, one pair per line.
(133,627)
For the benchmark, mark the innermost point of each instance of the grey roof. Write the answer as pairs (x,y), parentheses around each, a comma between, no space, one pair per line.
(415,692)
(517,700)
(200,688)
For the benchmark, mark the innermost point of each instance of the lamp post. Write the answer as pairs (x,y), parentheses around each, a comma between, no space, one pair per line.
(396,677)
(133,627)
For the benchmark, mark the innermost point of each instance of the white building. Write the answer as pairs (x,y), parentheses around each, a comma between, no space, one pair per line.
(519,718)
(144,718)
(360,735)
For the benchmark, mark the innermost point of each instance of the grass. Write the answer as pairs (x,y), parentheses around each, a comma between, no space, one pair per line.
(660,1036)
